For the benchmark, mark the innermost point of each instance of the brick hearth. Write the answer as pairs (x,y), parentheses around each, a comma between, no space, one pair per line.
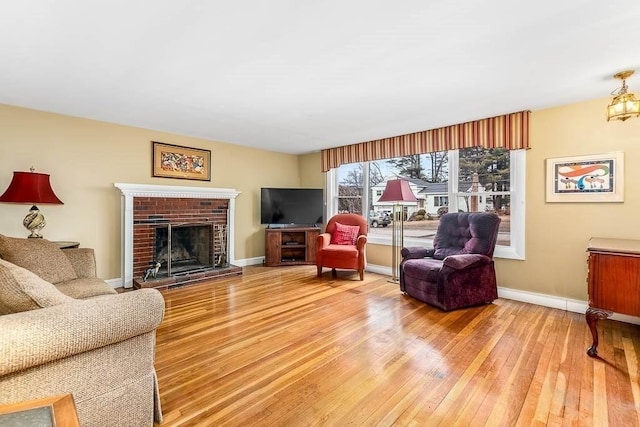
(185,279)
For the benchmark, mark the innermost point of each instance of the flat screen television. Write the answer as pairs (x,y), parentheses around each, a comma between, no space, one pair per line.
(291,206)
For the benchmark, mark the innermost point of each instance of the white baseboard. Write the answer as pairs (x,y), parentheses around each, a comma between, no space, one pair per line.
(114,283)
(259,260)
(625,318)
(567,304)
(543,300)
(379,269)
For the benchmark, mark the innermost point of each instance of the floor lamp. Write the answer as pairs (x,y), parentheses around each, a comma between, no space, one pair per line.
(398,192)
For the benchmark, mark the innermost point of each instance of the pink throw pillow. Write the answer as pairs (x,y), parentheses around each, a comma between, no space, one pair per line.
(345,234)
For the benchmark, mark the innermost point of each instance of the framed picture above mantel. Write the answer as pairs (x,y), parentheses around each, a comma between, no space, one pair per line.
(175,161)
(589,178)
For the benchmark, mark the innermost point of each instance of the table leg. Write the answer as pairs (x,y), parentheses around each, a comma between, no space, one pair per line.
(593,315)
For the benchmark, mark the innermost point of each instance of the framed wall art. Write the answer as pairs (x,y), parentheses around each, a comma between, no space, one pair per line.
(590,178)
(174,161)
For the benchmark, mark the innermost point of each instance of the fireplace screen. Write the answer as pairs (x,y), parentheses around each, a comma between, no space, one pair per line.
(188,248)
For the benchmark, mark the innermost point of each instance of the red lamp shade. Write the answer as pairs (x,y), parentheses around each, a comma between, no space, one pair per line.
(30,187)
(397,190)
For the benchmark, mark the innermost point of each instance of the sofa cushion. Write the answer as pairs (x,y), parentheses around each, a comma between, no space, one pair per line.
(39,256)
(86,287)
(22,290)
(339,252)
(83,261)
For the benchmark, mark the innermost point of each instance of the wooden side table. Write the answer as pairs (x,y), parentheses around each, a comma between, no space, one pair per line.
(58,411)
(67,245)
(613,280)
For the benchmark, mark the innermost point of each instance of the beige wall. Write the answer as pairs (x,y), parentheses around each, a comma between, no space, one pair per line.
(310,174)
(557,233)
(85,158)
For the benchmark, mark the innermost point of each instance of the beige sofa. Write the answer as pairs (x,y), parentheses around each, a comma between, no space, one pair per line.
(62,330)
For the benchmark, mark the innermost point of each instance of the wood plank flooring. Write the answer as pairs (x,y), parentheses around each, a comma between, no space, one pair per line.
(280,347)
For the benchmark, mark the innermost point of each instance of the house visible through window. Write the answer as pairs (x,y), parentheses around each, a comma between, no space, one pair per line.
(441,201)
(468,180)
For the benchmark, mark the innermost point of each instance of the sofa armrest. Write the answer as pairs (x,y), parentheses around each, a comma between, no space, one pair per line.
(35,337)
(83,261)
(462,261)
(416,252)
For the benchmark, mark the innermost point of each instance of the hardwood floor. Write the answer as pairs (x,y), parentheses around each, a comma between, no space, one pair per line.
(280,347)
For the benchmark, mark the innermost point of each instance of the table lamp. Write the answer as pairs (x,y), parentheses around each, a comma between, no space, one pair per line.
(31,188)
(398,192)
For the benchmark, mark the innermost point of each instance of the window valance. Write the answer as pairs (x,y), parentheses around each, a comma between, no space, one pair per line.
(510,131)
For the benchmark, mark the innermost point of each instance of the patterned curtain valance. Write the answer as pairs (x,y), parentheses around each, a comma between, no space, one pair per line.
(510,131)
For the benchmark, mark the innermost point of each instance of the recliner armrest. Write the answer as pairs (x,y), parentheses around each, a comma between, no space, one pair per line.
(416,252)
(462,261)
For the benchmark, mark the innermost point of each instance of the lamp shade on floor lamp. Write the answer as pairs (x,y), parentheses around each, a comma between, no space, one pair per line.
(397,191)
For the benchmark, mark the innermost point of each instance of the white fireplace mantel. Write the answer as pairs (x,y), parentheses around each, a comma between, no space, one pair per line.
(129,191)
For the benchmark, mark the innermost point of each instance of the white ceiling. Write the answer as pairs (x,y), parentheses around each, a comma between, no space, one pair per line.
(296,76)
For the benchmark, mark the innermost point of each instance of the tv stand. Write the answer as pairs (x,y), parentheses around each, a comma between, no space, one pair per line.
(291,246)
(289,226)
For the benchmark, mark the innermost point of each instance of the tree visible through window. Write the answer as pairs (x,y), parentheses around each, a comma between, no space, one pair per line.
(350,188)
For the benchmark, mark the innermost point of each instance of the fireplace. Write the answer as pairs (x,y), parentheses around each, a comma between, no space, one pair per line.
(176,235)
(183,248)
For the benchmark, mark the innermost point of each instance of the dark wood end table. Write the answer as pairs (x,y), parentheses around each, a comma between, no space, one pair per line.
(67,245)
(58,411)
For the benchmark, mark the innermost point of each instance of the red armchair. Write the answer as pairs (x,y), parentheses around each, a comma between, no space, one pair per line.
(342,245)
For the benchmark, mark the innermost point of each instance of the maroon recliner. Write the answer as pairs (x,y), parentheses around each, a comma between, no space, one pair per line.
(458,272)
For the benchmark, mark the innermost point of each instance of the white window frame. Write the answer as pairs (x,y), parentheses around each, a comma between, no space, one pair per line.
(439,201)
(517,204)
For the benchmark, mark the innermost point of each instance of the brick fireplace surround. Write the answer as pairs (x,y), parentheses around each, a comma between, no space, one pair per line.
(147,206)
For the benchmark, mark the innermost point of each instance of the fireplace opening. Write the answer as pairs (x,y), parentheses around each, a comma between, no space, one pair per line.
(184,248)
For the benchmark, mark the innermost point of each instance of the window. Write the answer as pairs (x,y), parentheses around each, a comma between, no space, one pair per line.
(468,180)
(349,188)
(441,201)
